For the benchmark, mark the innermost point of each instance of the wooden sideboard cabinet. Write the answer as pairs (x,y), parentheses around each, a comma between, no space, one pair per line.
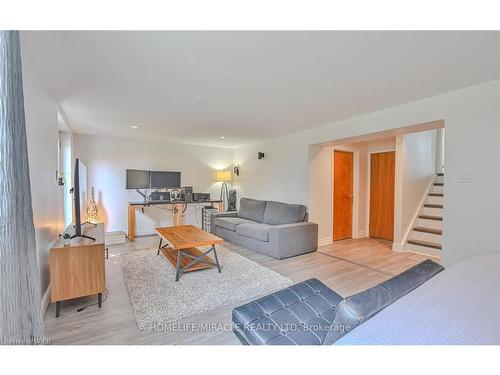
(77,270)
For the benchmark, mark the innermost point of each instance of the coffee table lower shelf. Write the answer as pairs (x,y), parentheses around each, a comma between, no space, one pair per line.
(192,259)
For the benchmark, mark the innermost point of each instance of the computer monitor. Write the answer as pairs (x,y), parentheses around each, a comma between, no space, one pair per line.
(138,179)
(162,180)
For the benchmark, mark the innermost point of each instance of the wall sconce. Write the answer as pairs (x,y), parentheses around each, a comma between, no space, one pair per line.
(260,155)
(236,170)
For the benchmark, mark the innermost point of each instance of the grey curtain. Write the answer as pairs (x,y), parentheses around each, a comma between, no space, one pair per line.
(20,302)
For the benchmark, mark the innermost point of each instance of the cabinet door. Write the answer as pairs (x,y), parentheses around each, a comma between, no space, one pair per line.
(76,272)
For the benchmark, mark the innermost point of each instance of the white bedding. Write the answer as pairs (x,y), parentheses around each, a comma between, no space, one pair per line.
(460,305)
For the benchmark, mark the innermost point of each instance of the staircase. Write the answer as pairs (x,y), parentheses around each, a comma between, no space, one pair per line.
(427,232)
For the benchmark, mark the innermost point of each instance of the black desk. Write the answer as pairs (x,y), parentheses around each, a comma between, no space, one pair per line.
(177,209)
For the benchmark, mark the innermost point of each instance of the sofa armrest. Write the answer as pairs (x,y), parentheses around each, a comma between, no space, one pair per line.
(225,214)
(220,214)
(294,239)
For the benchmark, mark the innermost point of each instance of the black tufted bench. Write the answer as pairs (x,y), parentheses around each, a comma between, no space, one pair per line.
(310,313)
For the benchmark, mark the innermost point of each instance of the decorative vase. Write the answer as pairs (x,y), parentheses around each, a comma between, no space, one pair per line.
(92,211)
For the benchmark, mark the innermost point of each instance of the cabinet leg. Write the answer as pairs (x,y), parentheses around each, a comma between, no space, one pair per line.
(58,309)
(99,300)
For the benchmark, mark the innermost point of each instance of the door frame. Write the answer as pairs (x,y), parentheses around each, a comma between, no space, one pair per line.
(355,188)
(368,187)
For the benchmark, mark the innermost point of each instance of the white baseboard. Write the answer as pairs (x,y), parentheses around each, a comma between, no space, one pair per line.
(325,241)
(398,247)
(45,300)
(362,234)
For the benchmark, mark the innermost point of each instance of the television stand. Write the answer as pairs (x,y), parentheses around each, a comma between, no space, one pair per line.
(77,270)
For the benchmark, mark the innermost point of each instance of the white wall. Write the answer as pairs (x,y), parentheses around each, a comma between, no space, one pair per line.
(471,118)
(47,196)
(416,161)
(320,186)
(107,158)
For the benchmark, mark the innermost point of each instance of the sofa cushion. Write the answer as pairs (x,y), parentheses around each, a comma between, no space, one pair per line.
(230,223)
(252,209)
(277,213)
(259,232)
(300,314)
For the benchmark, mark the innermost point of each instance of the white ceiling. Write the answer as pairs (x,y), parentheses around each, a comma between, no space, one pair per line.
(194,87)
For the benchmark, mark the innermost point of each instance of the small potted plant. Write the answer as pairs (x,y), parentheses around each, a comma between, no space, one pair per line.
(66,239)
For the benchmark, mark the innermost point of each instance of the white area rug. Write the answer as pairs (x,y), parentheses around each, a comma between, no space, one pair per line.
(157,299)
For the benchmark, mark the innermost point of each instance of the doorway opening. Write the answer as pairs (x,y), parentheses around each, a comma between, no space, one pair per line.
(355,212)
(385,185)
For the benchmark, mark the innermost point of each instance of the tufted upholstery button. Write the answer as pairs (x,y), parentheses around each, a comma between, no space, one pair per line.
(292,311)
(316,292)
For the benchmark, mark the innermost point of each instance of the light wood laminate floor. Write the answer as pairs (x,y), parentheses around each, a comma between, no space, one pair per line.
(346,266)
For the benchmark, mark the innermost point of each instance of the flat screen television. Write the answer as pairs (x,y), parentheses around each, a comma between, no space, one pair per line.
(137,179)
(162,180)
(80,197)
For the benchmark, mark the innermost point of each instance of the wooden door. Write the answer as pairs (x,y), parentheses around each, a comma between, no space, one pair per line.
(382,166)
(342,194)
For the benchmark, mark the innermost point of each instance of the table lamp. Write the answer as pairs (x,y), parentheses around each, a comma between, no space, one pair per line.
(224,177)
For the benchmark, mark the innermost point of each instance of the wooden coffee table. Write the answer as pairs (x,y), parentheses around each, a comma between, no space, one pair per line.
(183,252)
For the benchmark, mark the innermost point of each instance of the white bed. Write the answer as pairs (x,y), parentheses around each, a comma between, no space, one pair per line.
(460,305)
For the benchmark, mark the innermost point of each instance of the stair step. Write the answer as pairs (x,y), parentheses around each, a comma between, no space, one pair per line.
(438,184)
(430,217)
(433,224)
(436,195)
(437,190)
(425,244)
(428,230)
(433,205)
(434,200)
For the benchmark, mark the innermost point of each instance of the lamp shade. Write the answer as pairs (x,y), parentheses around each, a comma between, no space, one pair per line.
(223,176)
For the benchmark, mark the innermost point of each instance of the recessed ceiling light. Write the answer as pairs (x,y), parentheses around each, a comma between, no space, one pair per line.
(134,126)
(223,137)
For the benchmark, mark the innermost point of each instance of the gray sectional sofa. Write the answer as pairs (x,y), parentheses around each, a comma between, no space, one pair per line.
(280,230)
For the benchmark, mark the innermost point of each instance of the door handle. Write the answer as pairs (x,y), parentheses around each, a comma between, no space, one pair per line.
(350,196)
